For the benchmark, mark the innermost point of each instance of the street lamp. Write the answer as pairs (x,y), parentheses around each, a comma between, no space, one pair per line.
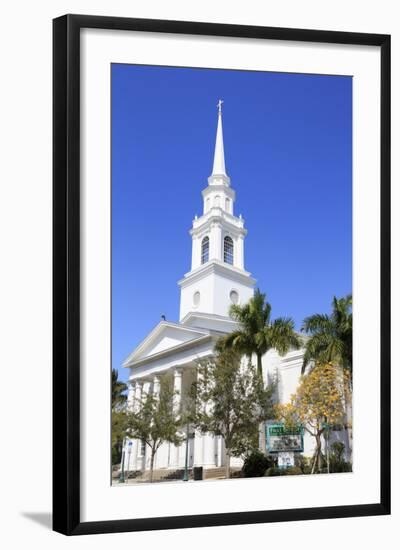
(186,472)
(122,474)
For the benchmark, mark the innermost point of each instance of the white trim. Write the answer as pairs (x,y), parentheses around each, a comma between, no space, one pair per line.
(169,351)
(221,268)
(157,330)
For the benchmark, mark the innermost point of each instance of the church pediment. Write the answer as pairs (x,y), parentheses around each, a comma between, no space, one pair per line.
(163,337)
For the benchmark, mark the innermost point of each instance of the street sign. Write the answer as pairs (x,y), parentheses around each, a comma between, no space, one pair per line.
(281,439)
(285,459)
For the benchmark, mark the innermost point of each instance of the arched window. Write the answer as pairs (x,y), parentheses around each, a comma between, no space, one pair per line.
(207,204)
(228,250)
(217,201)
(205,249)
(227,205)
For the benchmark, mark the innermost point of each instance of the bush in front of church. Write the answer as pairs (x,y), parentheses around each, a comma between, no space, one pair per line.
(256,464)
(292,471)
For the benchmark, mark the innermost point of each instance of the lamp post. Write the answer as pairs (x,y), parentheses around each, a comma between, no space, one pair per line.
(186,472)
(129,458)
(122,474)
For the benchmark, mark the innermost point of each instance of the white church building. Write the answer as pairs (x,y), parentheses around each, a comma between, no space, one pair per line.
(217,279)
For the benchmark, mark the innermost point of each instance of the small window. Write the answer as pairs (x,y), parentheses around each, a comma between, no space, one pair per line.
(228,250)
(234,297)
(196,298)
(227,205)
(217,201)
(207,204)
(205,249)
(142,447)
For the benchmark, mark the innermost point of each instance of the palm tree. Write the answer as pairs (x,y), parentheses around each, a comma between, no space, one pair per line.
(118,389)
(330,336)
(331,340)
(257,334)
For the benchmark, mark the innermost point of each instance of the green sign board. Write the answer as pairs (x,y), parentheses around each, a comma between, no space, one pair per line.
(282,439)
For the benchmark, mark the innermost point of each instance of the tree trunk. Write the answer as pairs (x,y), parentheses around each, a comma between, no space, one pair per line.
(327,450)
(259,366)
(262,444)
(153,454)
(227,463)
(318,438)
(261,428)
(314,461)
(317,453)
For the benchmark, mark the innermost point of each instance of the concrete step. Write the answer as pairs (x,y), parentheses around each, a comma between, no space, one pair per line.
(163,475)
(214,473)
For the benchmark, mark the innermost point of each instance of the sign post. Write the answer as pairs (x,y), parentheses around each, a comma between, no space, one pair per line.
(284,442)
(285,459)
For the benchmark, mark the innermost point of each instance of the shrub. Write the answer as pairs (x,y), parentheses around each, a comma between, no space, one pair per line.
(337,450)
(255,464)
(303,462)
(337,462)
(292,471)
(274,471)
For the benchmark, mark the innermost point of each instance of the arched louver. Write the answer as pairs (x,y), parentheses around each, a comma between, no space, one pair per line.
(228,250)
(205,250)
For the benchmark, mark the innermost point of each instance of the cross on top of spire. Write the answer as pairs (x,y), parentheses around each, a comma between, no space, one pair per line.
(219,105)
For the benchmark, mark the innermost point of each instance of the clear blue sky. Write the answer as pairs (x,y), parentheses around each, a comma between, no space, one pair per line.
(289,155)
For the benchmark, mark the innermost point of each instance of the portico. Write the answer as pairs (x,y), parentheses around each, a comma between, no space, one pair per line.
(179,362)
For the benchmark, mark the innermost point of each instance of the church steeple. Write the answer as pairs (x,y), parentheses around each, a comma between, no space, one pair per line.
(219,175)
(219,154)
(217,278)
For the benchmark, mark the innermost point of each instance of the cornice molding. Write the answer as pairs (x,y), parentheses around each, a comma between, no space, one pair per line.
(219,268)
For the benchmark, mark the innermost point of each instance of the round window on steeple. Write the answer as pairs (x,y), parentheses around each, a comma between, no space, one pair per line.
(234,297)
(196,298)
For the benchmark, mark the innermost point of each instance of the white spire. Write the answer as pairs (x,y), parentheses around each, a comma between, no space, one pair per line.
(219,157)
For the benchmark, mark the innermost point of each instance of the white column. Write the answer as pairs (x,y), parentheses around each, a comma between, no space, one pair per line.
(220,451)
(136,457)
(198,449)
(196,244)
(208,451)
(177,387)
(216,241)
(131,395)
(174,449)
(239,252)
(131,456)
(156,386)
(138,394)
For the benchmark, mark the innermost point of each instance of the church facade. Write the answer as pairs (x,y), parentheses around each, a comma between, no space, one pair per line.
(216,280)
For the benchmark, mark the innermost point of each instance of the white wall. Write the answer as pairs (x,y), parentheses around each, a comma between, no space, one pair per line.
(25,219)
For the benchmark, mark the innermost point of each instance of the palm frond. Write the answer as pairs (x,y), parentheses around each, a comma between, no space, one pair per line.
(316,323)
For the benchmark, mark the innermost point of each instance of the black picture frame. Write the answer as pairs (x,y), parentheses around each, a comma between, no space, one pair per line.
(66,273)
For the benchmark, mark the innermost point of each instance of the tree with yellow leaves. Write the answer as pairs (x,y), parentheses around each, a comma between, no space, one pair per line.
(318,402)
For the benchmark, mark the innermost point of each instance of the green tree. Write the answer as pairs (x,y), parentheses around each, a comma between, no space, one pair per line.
(257,334)
(118,417)
(156,420)
(318,403)
(118,433)
(331,336)
(230,401)
(118,389)
(331,340)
